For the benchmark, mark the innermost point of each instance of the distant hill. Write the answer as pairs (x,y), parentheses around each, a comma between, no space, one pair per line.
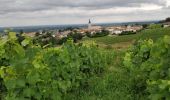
(56,27)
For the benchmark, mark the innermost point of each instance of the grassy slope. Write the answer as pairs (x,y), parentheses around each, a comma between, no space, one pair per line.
(126,40)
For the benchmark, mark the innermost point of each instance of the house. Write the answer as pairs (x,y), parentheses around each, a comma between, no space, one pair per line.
(30,34)
(117,32)
(167,24)
(119,29)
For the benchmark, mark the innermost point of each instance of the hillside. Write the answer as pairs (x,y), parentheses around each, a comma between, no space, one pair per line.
(126,40)
(85,71)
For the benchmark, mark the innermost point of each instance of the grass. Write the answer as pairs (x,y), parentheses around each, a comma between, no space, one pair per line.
(119,42)
(154,33)
(112,39)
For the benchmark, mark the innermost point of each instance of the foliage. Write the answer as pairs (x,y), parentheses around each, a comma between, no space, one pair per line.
(145,25)
(148,64)
(127,33)
(159,77)
(9,47)
(75,36)
(112,86)
(62,40)
(154,26)
(133,60)
(44,39)
(84,71)
(167,19)
(48,38)
(36,73)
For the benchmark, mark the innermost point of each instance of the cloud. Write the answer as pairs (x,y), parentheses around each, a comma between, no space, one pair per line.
(167,3)
(30,12)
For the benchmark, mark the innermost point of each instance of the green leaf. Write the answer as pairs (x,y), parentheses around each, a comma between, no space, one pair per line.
(12,35)
(28,92)
(20,83)
(33,77)
(25,42)
(167,39)
(10,84)
(19,50)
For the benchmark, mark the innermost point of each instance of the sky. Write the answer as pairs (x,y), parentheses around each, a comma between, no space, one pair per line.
(59,12)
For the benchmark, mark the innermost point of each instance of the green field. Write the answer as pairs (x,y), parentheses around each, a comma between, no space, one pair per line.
(126,40)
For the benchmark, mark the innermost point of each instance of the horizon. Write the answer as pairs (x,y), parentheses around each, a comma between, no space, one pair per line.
(75,24)
(35,28)
(41,12)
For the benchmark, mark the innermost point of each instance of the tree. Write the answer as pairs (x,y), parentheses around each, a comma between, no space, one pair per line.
(167,19)
(98,34)
(145,25)
(37,33)
(21,32)
(43,31)
(75,36)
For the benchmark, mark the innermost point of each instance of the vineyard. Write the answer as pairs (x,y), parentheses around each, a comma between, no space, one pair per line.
(84,71)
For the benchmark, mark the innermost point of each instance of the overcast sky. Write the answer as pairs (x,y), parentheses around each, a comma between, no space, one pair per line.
(54,12)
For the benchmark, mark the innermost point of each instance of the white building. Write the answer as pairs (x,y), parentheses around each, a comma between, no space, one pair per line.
(117,32)
(167,24)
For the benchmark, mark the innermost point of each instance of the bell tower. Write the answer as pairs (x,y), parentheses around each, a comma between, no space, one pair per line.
(89,24)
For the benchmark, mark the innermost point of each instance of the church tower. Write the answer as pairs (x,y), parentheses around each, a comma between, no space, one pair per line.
(89,25)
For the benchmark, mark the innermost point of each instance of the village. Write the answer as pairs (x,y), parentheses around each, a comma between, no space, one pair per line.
(92,29)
